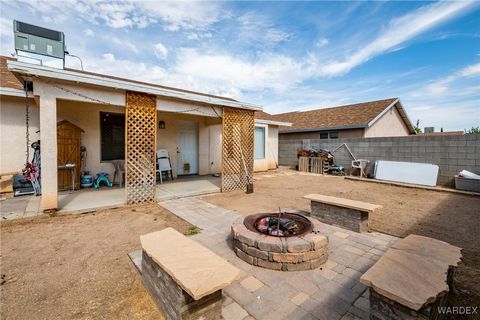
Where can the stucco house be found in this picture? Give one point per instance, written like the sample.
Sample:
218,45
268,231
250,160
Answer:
266,141
203,134
382,118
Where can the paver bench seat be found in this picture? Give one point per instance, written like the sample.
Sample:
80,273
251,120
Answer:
184,278
346,213
410,280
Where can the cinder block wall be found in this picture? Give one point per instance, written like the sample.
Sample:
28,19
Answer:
451,153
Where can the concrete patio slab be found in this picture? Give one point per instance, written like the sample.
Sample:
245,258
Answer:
187,187
88,200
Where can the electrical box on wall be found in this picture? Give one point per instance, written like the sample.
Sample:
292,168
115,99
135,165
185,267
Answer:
38,40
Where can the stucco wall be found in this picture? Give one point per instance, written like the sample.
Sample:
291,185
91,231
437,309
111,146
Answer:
390,124
262,164
209,132
87,116
12,130
271,149
12,135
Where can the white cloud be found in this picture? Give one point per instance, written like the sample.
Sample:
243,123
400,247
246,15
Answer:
254,26
177,15
399,31
125,44
6,35
6,26
443,86
88,32
110,65
224,72
198,35
322,42
470,71
160,51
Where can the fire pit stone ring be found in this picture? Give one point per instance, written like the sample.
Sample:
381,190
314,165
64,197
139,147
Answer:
306,251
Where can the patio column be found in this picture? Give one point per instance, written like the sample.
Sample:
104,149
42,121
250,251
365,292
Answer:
238,127
48,151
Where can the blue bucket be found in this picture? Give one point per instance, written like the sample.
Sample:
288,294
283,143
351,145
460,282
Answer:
86,181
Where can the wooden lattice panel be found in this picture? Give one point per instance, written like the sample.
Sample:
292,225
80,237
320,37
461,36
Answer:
141,133
237,148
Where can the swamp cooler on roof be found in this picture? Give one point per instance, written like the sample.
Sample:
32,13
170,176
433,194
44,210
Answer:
37,40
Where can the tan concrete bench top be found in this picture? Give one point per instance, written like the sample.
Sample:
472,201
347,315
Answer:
196,269
342,202
413,272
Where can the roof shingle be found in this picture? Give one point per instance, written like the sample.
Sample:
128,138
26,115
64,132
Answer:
8,79
352,115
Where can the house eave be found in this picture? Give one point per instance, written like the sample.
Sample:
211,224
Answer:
12,92
273,123
77,77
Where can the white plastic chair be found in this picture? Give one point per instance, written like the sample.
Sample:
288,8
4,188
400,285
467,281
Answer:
119,166
362,165
163,164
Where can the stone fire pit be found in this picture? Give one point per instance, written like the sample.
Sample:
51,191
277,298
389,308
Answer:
287,242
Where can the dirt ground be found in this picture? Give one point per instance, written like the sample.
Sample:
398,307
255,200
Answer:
76,266
446,216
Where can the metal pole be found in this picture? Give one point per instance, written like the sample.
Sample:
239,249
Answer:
72,55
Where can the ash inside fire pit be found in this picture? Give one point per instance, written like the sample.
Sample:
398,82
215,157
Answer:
279,225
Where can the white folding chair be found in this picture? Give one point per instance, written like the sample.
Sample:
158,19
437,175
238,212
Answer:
362,165
119,166
163,164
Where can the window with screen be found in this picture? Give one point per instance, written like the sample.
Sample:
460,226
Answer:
112,126
323,135
334,135
259,143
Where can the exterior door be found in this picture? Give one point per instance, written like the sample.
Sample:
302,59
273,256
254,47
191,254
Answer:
187,147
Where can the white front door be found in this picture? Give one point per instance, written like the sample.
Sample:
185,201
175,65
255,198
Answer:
187,147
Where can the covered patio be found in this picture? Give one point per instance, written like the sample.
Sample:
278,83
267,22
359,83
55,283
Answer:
204,135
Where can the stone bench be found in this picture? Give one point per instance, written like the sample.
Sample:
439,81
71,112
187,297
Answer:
184,278
345,213
410,280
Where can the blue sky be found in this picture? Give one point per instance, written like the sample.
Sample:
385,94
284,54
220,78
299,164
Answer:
284,56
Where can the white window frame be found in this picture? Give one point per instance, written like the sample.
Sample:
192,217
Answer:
264,128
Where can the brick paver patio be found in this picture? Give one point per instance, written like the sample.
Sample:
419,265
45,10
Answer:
328,293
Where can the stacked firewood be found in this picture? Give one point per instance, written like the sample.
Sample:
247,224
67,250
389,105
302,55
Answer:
316,153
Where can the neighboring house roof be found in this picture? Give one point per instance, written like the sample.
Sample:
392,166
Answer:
79,76
352,116
7,78
266,118
446,133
